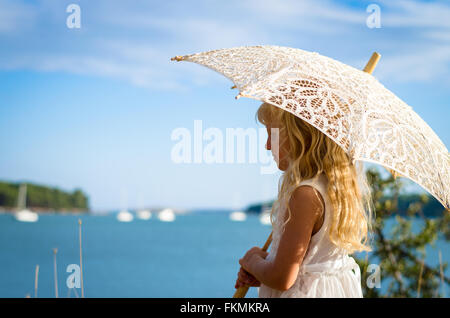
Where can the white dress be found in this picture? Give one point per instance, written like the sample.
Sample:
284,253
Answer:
326,270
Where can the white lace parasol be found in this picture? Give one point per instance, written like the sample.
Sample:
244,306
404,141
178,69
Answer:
348,105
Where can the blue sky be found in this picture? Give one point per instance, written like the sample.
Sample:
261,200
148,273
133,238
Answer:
95,107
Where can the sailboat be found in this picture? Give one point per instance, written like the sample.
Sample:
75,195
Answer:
238,216
144,214
125,216
264,217
22,214
166,215
141,212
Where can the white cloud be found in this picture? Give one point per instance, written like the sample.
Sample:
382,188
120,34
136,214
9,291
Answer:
135,42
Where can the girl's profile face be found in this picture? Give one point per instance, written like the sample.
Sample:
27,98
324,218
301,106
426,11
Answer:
278,144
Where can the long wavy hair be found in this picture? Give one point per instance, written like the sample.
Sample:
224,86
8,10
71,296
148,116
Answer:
311,152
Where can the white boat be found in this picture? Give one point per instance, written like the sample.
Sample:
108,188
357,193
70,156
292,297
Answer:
125,216
24,215
144,214
264,217
238,216
166,215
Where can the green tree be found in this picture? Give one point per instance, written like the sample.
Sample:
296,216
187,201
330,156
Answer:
43,197
8,194
401,253
79,200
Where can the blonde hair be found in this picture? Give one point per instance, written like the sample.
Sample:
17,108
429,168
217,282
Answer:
312,152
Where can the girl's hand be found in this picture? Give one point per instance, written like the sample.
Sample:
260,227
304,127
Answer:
246,279
252,256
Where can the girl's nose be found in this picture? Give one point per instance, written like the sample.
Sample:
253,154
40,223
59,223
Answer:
268,145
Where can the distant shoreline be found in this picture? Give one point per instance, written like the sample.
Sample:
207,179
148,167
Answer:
41,198
44,210
431,207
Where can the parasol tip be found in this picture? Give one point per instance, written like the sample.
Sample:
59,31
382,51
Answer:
370,66
177,58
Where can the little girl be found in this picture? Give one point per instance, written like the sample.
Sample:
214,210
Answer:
321,215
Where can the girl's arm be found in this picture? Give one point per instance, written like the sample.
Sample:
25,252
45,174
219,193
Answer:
281,272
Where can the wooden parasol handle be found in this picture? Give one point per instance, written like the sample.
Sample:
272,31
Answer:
242,291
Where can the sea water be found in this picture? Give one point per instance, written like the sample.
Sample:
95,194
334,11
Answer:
196,255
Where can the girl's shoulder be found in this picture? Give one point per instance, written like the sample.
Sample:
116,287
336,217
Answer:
319,182
319,186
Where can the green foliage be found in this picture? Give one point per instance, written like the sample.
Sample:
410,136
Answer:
258,207
401,253
8,194
43,197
